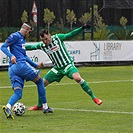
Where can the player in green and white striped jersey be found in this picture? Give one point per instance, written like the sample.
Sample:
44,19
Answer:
55,48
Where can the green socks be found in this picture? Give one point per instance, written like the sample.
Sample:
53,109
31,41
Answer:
39,102
84,86
87,89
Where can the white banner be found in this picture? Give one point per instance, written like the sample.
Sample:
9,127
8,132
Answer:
93,51
86,51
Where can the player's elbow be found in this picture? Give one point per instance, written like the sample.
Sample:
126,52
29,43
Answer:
4,46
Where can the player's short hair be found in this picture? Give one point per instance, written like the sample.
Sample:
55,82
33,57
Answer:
27,26
42,32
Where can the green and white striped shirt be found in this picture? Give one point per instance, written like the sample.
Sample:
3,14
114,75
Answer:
57,51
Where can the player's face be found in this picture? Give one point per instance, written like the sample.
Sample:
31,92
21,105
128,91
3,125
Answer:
28,33
47,39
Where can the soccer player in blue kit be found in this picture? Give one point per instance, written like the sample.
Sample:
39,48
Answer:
22,68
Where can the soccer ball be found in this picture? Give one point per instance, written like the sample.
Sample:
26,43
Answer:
19,109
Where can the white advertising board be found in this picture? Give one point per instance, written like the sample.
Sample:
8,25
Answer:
85,51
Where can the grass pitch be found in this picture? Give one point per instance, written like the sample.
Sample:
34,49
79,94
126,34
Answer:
74,110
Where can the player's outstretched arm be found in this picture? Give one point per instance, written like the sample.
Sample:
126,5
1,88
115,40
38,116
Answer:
73,32
33,46
40,65
31,62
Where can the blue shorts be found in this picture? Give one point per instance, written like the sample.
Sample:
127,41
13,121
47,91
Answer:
20,72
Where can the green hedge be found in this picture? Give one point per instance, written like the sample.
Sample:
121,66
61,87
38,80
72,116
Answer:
6,31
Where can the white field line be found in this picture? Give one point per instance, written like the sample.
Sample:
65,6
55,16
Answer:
84,110
95,111
95,82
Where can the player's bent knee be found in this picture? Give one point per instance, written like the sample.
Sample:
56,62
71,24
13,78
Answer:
77,79
18,87
17,82
39,81
45,82
81,81
36,79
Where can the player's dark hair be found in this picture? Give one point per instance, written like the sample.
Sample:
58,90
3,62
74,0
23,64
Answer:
42,32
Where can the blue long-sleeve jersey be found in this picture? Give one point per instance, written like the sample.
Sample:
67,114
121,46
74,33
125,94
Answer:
16,44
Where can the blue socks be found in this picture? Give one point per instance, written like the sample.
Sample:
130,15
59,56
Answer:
18,93
41,90
15,97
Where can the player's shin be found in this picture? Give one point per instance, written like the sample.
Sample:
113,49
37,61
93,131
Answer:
42,92
15,97
86,88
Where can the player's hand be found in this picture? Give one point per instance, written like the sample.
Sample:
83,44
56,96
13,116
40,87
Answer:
40,65
13,59
87,26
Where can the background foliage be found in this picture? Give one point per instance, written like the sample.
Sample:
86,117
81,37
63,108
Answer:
15,12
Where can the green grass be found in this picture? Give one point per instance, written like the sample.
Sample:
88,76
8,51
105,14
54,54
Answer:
75,112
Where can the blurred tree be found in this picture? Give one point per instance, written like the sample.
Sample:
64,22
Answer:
85,18
48,17
123,21
24,17
101,31
71,17
123,33
61,12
